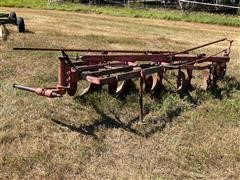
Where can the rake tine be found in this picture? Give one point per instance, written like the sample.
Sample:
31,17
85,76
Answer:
91,88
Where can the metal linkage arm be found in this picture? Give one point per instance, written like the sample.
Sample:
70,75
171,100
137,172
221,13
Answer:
48,92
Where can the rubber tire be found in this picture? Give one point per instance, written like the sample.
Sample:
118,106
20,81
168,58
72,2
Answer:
13,16
20,25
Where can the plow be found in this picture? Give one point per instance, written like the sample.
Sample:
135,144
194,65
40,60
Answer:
117,69
12,19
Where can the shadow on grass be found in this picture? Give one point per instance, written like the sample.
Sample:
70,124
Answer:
161,123
27,31
230,84
105,121
149,128
115,122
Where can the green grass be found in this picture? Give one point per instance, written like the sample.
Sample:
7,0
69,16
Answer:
98,136
174,15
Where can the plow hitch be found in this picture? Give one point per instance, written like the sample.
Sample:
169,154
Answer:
47,92
117,69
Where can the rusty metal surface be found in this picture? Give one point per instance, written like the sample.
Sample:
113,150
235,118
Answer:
118,68
113,66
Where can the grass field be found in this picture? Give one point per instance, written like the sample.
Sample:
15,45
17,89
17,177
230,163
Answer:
98,137
174,15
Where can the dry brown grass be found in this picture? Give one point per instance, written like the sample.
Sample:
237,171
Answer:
66,138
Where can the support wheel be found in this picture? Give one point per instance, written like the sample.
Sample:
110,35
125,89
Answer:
20,25
12,16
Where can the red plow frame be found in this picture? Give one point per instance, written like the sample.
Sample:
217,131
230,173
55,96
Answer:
117,68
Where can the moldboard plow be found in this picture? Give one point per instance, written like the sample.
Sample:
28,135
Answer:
118,68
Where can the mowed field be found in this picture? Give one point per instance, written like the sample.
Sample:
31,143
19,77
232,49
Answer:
98,136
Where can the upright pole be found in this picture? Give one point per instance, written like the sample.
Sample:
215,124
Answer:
141,99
